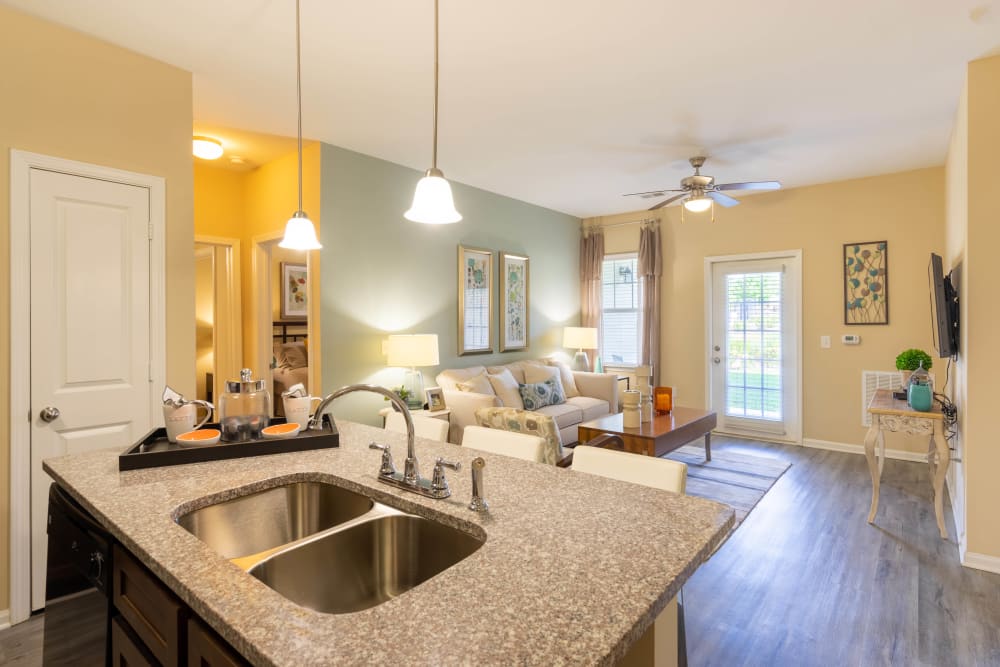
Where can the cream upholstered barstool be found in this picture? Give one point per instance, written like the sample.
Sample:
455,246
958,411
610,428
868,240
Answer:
668,648
508,443
423,427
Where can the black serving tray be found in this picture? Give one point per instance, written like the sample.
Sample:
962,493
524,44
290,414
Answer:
155,450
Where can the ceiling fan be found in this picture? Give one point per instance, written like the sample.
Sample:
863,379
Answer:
700,191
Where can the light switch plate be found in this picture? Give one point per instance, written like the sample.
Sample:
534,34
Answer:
824,341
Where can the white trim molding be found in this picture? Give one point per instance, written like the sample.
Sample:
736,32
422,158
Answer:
4,619
981,562
21,164
898,454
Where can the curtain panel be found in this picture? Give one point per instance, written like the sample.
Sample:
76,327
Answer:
650,272
591,262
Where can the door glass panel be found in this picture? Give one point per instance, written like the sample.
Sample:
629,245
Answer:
753,345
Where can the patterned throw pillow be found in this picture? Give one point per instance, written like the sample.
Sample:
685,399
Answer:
540,394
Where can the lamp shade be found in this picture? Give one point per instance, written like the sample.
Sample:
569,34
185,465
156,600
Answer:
413,350
432,201
300,234
582,338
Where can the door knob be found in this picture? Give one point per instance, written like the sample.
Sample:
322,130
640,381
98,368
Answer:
49,414
717,360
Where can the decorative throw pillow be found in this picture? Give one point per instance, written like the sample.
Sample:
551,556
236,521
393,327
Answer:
506,387
540,394
290,355
478,384
566,374
536,373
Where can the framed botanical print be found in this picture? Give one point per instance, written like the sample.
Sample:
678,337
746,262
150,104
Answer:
475,300
514,287
866,283
294,288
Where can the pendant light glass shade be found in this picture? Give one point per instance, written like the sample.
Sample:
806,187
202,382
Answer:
300,234
698,204
432,201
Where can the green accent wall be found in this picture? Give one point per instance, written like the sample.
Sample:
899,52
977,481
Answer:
383,274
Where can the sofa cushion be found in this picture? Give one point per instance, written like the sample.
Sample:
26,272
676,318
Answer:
447,379
539,394
566,375
506,387
516,369
477,384
538,373
592,408
564,414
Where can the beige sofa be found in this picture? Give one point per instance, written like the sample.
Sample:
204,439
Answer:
597,393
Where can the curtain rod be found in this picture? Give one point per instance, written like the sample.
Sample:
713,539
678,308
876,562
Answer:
622,224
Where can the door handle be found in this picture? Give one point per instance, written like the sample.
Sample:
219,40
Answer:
49,414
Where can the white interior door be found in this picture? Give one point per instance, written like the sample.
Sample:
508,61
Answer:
91,367
754,347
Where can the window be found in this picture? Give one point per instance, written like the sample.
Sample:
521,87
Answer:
620,299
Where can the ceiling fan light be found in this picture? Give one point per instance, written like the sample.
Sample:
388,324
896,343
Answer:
206,148
433,203
300,234
698,204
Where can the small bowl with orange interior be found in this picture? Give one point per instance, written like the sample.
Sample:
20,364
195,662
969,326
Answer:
199,438
289,430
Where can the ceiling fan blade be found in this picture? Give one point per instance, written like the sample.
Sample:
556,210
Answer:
720,198
756,185
651,193
667,201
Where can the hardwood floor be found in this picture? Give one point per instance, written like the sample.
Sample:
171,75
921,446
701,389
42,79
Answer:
806,581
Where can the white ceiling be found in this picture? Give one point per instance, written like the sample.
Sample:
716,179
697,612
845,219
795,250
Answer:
568,104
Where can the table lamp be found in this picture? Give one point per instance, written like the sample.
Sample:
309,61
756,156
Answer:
412,351
582,338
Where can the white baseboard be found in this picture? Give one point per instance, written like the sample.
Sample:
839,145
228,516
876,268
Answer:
4,619
899,454
981,562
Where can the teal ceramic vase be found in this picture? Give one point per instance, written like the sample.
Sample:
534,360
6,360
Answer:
920,392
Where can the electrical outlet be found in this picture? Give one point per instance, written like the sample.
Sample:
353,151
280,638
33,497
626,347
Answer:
824,342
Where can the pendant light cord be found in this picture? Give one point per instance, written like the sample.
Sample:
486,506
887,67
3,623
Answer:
434,155
298,92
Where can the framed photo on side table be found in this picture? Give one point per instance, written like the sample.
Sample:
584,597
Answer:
294,288
435,399
475,300
514,285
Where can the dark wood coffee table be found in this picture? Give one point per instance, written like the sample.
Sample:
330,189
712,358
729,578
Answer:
662,435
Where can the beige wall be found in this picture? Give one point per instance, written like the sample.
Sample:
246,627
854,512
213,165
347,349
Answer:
905,209
71,96
980,274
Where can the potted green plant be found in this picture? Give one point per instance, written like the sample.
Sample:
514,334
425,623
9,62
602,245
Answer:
908,361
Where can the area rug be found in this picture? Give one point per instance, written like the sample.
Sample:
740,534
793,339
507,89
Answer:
737,480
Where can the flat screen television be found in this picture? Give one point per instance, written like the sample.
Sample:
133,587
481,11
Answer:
944,308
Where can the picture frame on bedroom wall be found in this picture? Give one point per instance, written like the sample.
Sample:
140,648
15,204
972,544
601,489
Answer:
294,291
514,306
475,301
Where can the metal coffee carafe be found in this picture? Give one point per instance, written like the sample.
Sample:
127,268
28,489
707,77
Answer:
244,409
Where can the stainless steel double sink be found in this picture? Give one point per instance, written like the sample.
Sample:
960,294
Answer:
327,548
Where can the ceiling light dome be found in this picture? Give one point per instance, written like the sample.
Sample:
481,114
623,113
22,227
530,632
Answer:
206,148
698,204
432,201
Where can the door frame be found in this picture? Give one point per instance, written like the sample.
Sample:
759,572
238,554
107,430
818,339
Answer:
795,257
227,340
21,164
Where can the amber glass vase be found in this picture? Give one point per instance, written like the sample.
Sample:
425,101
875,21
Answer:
663,400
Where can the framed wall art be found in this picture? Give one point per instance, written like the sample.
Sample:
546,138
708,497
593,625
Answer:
866,283
294,288
514,285
475,300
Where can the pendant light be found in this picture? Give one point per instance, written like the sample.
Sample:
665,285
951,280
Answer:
432,200
300,234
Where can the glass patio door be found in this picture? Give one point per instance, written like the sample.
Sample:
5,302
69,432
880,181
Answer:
753,352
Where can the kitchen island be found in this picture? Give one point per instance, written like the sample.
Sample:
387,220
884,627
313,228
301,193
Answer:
574,569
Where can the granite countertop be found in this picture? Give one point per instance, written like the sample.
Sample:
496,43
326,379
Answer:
574,569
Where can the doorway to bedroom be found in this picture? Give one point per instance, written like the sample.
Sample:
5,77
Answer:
753,314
